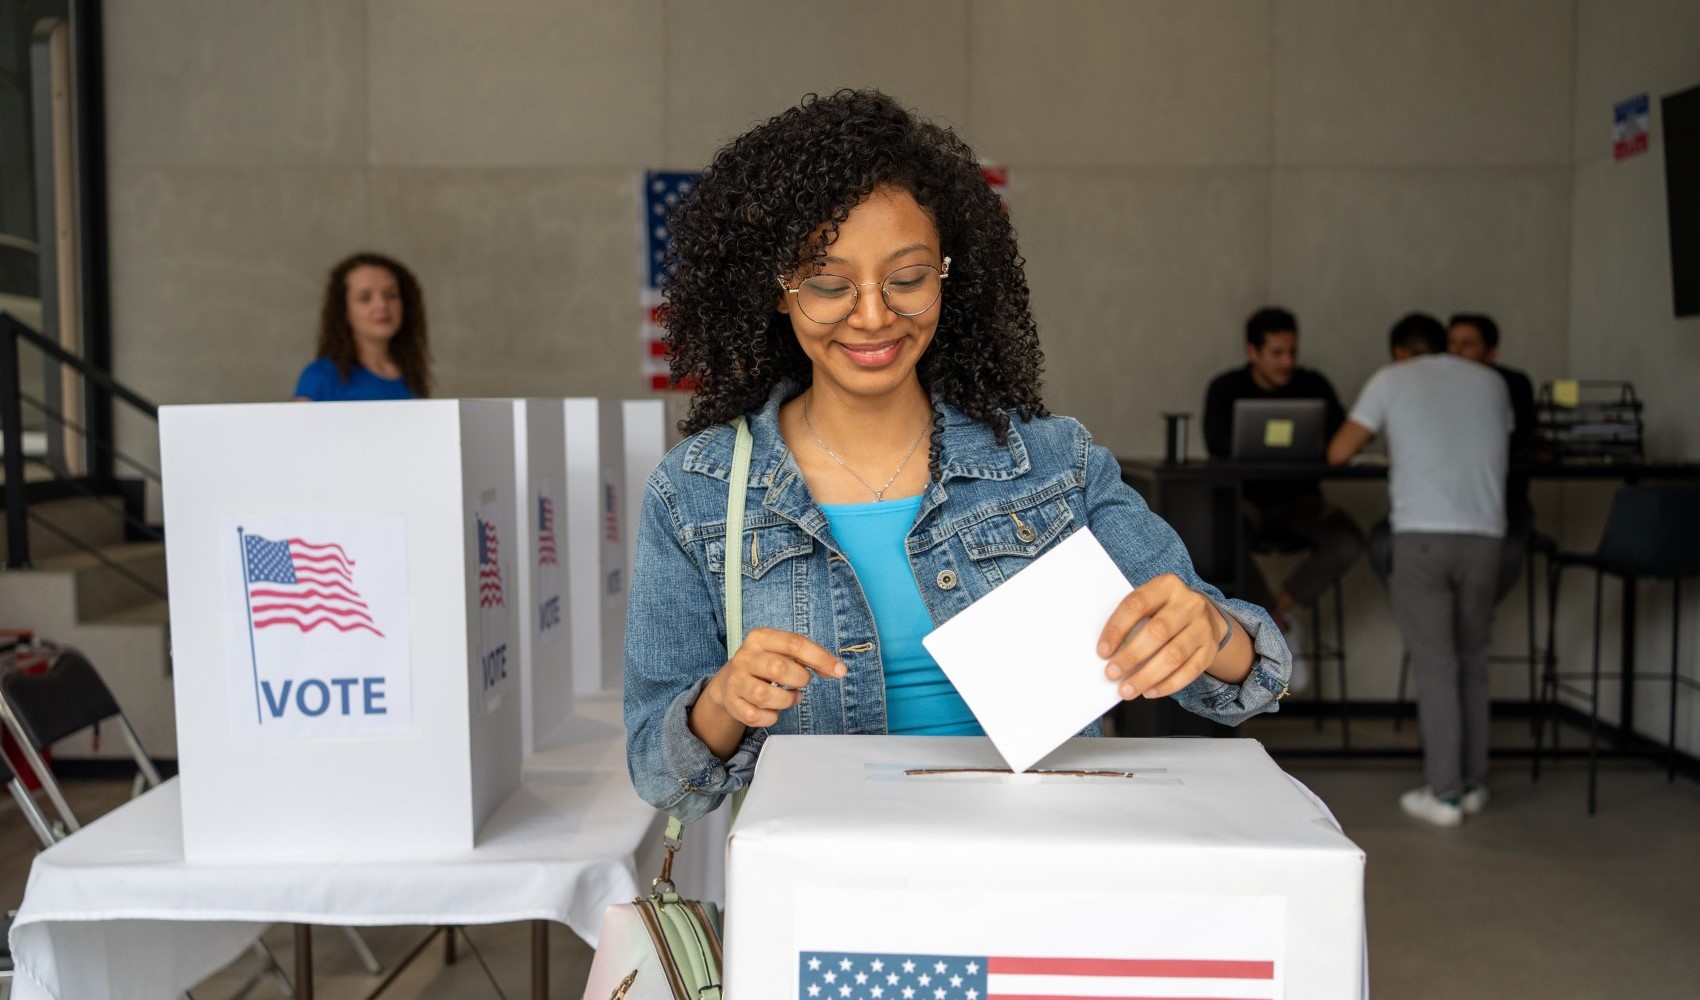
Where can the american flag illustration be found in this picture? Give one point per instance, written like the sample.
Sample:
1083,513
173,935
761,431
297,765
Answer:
827,975
489,568
545,532
303,585
610,513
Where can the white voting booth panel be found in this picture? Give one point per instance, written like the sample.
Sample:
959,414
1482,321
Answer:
541,626
645,425
1204,872
341,582
596,522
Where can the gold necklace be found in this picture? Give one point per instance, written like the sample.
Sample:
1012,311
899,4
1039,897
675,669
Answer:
879,494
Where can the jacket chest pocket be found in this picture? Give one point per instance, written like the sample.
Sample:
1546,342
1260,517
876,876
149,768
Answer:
769,557
1005,543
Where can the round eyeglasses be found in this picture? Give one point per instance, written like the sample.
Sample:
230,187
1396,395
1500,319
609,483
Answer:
907,291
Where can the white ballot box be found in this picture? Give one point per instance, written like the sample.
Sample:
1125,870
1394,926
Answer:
644,422
540,627
596,553
1125,868
341,581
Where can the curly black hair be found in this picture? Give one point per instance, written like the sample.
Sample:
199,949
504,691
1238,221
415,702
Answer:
752,218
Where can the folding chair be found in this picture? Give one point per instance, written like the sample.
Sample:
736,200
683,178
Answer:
42,709
26,804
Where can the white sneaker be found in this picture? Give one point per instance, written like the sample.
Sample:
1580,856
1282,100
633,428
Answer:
1423,804
1474,799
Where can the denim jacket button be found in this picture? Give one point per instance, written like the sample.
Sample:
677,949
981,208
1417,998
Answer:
946,579
1026,534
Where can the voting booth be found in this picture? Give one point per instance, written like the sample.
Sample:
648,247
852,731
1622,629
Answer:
644,423
342,590
540,628
596,521
1120,867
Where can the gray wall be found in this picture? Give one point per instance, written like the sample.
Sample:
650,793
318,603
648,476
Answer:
1174,164
1621,318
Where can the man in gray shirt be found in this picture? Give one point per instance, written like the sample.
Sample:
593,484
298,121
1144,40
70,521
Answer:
1447,422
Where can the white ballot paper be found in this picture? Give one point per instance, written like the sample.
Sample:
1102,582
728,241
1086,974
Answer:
1025,657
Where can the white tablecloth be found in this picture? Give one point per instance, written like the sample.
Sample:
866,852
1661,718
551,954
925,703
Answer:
114,911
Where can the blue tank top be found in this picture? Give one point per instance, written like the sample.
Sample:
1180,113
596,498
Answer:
919,699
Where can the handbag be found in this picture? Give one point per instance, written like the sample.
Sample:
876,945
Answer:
658,947
662,947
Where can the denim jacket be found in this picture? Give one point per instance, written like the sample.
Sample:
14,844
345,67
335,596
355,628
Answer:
995,508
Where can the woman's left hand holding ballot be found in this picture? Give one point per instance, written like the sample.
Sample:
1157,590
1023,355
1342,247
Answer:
1164,634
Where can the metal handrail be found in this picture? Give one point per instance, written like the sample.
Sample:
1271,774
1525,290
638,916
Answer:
13,333
81,366
147,471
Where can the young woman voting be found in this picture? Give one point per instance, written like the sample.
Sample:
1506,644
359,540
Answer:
844,281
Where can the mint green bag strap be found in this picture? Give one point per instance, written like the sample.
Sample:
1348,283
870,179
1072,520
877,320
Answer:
734,582
734,577
734,561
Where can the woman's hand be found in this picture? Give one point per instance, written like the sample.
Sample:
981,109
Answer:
765,677
1178,641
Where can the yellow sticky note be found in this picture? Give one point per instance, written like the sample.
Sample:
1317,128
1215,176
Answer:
1566,392
1277,433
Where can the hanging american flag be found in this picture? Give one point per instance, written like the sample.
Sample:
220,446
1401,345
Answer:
489,568
546,555
892,976
661,192
303,585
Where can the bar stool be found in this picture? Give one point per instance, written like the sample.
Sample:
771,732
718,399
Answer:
1652,532
1319,653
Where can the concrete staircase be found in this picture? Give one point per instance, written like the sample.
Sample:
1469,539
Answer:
104,608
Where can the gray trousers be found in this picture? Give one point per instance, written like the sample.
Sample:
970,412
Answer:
1443,595
1519,526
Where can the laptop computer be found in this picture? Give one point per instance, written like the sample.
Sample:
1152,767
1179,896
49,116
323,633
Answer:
1293,430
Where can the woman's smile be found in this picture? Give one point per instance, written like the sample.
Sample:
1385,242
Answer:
873,355
871,352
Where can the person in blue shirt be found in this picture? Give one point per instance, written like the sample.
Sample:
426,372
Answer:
844,279
372,335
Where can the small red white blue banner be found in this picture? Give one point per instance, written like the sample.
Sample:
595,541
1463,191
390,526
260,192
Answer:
1629,126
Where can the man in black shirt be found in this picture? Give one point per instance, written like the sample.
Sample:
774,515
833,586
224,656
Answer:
1282,511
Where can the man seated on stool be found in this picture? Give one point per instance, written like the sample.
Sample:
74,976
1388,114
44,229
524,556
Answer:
1287,509
1448,424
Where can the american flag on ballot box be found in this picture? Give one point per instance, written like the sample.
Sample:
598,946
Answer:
303,585
824,975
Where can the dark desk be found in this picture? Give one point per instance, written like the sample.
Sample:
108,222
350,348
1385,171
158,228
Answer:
1201,500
